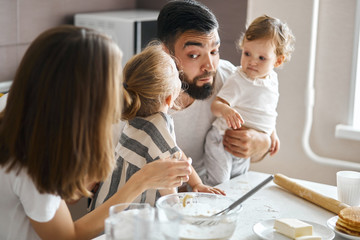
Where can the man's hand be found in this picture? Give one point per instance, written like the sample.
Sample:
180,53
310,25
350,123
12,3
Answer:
247,142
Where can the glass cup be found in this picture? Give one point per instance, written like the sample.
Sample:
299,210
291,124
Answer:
123,220
140,221
164,226
348,187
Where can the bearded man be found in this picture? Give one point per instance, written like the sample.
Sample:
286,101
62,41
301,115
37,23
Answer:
189,31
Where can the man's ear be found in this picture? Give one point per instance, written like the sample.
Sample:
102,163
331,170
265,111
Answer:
168,101
280,60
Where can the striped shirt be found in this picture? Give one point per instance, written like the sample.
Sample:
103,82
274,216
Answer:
142,141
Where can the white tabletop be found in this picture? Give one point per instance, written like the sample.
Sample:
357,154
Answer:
272,202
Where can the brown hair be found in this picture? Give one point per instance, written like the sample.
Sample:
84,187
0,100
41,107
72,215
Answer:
148,80
265,27
60,109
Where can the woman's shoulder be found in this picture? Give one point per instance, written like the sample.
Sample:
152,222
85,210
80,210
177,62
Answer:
38,206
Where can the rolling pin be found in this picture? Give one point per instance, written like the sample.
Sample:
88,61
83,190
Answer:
328,203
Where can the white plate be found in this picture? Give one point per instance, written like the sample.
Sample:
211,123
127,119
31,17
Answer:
265,230
332,223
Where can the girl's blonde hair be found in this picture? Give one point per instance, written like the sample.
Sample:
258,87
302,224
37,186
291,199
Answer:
265,27
57,123
148,81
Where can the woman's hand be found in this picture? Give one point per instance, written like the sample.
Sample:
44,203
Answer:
165,173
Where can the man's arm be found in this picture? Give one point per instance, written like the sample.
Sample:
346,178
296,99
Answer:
245,142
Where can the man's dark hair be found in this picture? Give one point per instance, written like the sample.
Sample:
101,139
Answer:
177,17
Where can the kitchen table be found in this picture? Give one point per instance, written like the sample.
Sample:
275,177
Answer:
272,202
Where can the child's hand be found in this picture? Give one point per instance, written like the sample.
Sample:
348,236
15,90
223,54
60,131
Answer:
232,117
275,144
207,189
221,108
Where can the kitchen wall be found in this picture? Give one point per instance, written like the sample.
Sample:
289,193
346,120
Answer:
21,21
332,87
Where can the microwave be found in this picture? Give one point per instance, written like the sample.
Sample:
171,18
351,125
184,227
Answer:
132,30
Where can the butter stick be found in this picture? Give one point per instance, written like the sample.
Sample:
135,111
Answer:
293,228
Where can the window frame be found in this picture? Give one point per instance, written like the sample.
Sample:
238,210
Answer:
351,130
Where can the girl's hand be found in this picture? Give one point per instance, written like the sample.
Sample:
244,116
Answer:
207,189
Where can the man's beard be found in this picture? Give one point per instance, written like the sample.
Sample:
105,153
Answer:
197,92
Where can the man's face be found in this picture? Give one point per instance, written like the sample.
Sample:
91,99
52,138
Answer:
198,59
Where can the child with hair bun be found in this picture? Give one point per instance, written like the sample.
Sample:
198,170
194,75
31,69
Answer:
151,85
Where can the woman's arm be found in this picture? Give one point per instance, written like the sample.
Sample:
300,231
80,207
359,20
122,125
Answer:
158,174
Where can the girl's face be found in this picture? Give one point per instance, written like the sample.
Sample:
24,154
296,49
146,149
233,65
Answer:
258,58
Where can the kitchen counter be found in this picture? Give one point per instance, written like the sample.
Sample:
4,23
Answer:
272,202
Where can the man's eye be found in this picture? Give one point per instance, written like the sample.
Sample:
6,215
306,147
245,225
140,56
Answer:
193,56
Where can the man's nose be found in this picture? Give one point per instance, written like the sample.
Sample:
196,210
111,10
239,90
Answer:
208,64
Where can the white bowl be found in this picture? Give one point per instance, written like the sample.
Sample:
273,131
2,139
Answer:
196,210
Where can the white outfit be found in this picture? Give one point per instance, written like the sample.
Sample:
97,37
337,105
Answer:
193,122
256,101
20,201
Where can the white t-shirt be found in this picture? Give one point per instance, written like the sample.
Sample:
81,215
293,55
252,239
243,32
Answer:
19,201
193,122
256,100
